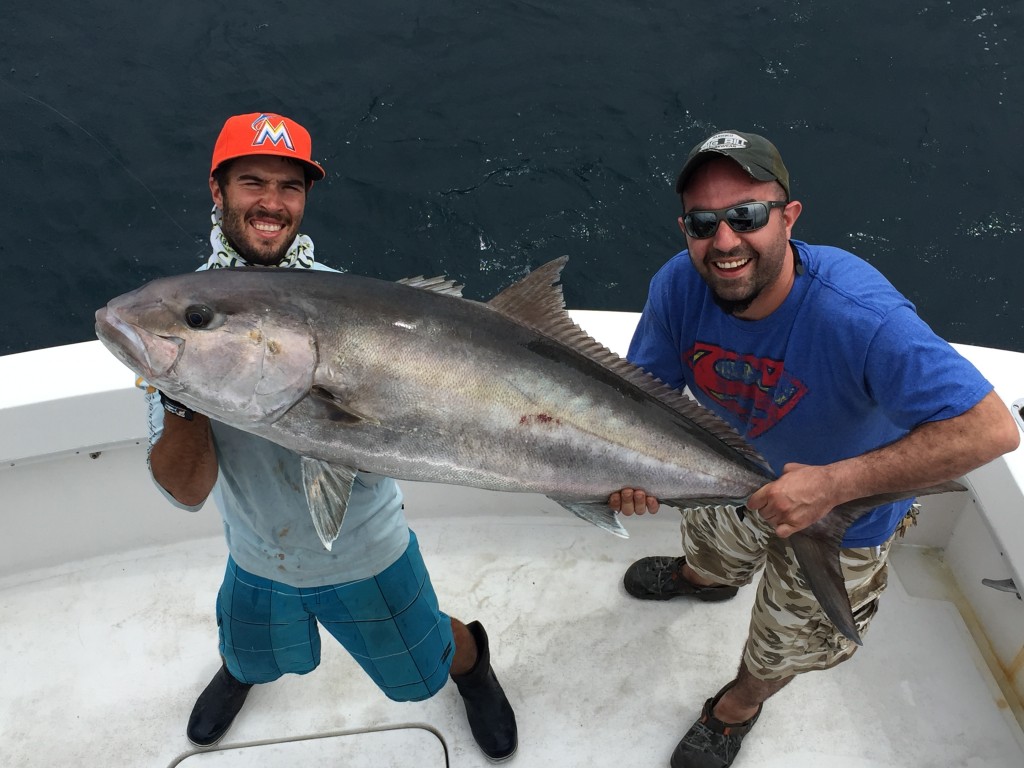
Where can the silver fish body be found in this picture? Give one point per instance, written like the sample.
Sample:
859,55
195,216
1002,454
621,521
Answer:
418,384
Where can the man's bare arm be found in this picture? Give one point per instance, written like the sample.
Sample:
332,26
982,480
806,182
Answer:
183,460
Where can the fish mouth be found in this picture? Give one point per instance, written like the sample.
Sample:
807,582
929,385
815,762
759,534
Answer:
147,354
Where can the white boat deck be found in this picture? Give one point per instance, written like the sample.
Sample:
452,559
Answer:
107,629
103,658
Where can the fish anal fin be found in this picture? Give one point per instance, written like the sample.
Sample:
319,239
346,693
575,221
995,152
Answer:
596,513
328,488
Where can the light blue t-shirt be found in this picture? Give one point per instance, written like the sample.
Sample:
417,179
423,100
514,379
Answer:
842,367
267,522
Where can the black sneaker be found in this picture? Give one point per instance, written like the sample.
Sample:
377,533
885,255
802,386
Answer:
710,743
216,708
661,578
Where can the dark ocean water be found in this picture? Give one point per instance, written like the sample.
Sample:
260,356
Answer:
481,139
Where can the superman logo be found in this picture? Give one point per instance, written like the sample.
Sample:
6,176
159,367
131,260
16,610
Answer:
756,389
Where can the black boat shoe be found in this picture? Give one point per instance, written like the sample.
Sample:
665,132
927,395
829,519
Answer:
710,743
661,578
216,708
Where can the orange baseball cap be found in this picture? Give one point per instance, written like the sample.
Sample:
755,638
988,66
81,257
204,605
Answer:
265,133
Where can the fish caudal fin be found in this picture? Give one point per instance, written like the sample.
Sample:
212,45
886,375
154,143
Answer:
817,551
328,487
597,513
870,502
819,561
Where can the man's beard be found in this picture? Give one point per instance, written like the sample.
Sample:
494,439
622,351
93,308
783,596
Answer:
234,228
731,306
766,271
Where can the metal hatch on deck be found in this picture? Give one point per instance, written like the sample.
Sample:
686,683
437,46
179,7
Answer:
408,747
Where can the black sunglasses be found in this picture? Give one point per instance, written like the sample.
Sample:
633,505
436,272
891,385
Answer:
745,217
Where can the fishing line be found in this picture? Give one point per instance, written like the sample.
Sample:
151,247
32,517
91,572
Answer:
114,157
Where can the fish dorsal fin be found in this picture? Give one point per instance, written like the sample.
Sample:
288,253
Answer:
537,302
439,284
537,299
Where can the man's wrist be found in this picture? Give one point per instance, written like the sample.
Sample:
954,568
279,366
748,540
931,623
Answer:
178,409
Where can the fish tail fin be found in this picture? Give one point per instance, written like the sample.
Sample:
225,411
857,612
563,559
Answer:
817,551
858,507
327,488
819,561
597,513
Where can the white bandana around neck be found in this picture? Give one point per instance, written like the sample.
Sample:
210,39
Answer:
300,254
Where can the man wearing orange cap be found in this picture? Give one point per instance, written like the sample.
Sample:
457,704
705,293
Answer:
372,592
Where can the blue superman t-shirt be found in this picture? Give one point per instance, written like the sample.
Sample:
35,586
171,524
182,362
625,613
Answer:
844,366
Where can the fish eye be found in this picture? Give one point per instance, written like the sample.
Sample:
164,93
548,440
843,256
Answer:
198,316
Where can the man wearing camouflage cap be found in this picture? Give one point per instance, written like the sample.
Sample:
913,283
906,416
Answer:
821,365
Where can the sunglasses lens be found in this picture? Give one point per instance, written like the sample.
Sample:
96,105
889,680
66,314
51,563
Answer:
747,218
741,218
701,224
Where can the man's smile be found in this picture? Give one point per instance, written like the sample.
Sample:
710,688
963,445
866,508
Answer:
731,265
267,228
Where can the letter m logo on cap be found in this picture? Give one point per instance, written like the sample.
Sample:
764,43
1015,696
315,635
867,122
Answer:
267,131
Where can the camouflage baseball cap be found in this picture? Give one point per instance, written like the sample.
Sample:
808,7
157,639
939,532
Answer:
755,154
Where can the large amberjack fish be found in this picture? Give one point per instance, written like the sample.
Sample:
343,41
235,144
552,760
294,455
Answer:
412,382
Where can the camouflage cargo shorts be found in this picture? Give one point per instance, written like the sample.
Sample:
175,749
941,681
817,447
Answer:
789,633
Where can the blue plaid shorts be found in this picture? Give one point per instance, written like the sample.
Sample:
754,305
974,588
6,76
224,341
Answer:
390,624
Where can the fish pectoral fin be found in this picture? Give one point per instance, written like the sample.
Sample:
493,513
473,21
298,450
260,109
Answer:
337,410
596,512
328,487
819,560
